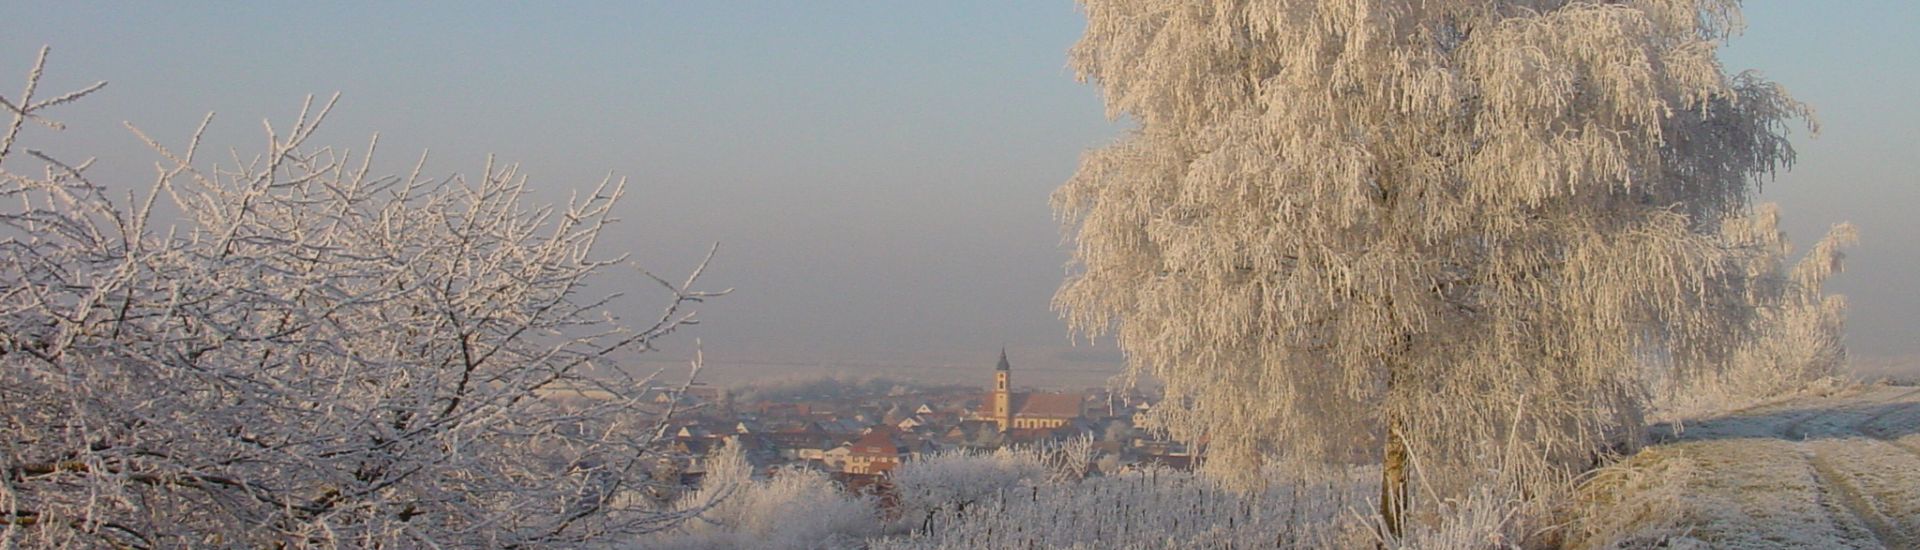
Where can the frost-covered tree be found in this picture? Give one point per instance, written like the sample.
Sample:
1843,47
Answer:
311,355
1449,230
1793,336
792,509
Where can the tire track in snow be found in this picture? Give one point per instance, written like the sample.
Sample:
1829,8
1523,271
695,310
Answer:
1897,499
1811,472
1857,503
1904,510
1870,510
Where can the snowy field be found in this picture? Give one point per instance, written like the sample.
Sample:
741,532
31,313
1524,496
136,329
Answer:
1902,369
1833,471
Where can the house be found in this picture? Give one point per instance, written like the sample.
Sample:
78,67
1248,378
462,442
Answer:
837,457
908,424
692,431
802,441
878,452
1142,417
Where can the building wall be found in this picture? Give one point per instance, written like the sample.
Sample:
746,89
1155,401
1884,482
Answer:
861,464
1002,400
1032,423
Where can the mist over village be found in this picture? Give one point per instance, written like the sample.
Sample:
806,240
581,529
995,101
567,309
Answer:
1130,274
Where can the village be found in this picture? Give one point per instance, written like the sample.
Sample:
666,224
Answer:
859,437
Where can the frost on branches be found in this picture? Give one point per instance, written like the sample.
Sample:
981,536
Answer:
311,356
1793,339
1449,233
793,509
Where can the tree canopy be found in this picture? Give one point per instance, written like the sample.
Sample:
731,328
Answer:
312,355
1470,224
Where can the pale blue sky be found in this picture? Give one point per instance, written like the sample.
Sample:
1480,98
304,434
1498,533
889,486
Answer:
877,172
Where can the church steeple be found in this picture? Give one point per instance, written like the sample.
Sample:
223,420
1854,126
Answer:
1003,392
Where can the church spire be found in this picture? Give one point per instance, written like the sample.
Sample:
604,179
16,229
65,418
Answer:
1002,392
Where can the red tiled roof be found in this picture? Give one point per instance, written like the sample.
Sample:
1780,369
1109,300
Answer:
1046,405
1036,405
876,443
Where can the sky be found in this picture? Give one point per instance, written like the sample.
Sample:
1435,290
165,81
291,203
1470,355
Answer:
876,174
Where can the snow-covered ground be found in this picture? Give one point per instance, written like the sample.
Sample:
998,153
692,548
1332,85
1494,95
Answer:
1833,471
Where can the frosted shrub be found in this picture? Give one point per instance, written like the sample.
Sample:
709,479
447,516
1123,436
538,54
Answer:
311,354
952,481
794,509
1021,497
1150,508
1636,503
1486,518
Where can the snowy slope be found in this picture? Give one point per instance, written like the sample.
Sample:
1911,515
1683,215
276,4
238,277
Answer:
1839,471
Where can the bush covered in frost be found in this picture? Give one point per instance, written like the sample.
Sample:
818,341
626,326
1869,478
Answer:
793,509
1035,497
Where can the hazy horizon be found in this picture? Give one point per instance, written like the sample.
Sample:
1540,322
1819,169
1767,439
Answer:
877,175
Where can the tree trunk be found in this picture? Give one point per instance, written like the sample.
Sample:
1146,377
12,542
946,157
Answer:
1393,478
1393,460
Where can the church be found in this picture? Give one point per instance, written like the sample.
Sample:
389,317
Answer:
1011,410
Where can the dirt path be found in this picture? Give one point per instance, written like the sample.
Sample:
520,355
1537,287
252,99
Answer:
1841,471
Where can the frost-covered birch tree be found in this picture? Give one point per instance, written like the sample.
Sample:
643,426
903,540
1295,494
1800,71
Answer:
311,355
1450,231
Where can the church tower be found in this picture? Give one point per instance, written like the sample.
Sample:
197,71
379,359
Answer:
1003,393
